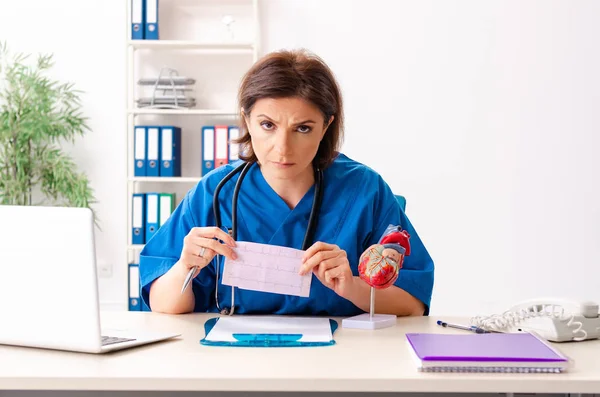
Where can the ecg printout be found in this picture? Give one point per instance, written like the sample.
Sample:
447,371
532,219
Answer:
267,268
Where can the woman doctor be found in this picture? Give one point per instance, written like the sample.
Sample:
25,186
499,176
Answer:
292,126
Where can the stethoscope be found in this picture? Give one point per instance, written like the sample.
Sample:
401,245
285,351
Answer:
308,237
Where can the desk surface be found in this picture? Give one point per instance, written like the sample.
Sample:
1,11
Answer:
361,360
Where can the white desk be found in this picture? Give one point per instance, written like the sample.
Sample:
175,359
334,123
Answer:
360,361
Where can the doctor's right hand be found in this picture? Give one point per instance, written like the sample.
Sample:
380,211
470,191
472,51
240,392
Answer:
202,244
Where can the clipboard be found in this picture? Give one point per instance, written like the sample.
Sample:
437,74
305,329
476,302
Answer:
265,340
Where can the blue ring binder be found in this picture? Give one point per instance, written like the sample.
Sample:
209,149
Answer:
265,340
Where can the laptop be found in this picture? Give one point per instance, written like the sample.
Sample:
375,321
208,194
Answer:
49,286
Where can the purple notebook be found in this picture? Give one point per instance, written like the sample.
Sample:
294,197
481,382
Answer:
521,347
494,351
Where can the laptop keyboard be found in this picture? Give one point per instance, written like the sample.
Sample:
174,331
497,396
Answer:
110,340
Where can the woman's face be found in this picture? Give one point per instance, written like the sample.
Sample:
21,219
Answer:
285,134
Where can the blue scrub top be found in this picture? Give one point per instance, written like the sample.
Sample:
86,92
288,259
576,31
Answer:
357,207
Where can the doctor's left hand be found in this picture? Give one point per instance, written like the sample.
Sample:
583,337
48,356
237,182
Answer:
330,264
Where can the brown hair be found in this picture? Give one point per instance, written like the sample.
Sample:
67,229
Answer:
295,73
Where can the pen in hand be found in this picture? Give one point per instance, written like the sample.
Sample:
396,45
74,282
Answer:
201,246
188,278
470,328
191,272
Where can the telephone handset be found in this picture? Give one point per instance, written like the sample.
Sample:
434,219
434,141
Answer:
555,320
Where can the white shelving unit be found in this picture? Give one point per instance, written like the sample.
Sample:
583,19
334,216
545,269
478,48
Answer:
159,179
216,48
189,112
214,52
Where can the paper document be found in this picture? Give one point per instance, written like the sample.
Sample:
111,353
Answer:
312,329
267,268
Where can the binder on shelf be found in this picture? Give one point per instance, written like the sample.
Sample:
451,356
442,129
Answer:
208,149
152,214
221,145
134,287
138,14
139,151
138,219
234,133
152,151
170,154
166,207
151,21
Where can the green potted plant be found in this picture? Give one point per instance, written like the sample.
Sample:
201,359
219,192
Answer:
36,115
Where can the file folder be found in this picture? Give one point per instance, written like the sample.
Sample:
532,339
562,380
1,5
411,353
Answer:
265,339
208,149
152,152
170,153
139,151
151,22
137,19
167,205
221,145
234,133
138,221
152,214
134,287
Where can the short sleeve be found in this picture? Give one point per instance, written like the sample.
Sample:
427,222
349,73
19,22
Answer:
417,273
163,250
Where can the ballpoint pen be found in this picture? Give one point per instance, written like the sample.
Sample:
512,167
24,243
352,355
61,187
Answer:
188,278
191,272
470,328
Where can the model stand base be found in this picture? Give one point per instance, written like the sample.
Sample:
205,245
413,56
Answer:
366,321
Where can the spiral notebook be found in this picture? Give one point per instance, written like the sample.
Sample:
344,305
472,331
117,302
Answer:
493,352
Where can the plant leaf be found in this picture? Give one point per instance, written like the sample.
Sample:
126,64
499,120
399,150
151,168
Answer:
37,113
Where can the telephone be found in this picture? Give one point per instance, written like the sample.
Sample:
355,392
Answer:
555,320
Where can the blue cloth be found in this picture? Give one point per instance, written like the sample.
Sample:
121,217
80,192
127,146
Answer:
357,208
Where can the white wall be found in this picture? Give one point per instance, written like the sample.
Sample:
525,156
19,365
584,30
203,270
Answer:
484,114
88,42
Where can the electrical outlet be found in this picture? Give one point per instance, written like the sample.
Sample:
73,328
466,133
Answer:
104,269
